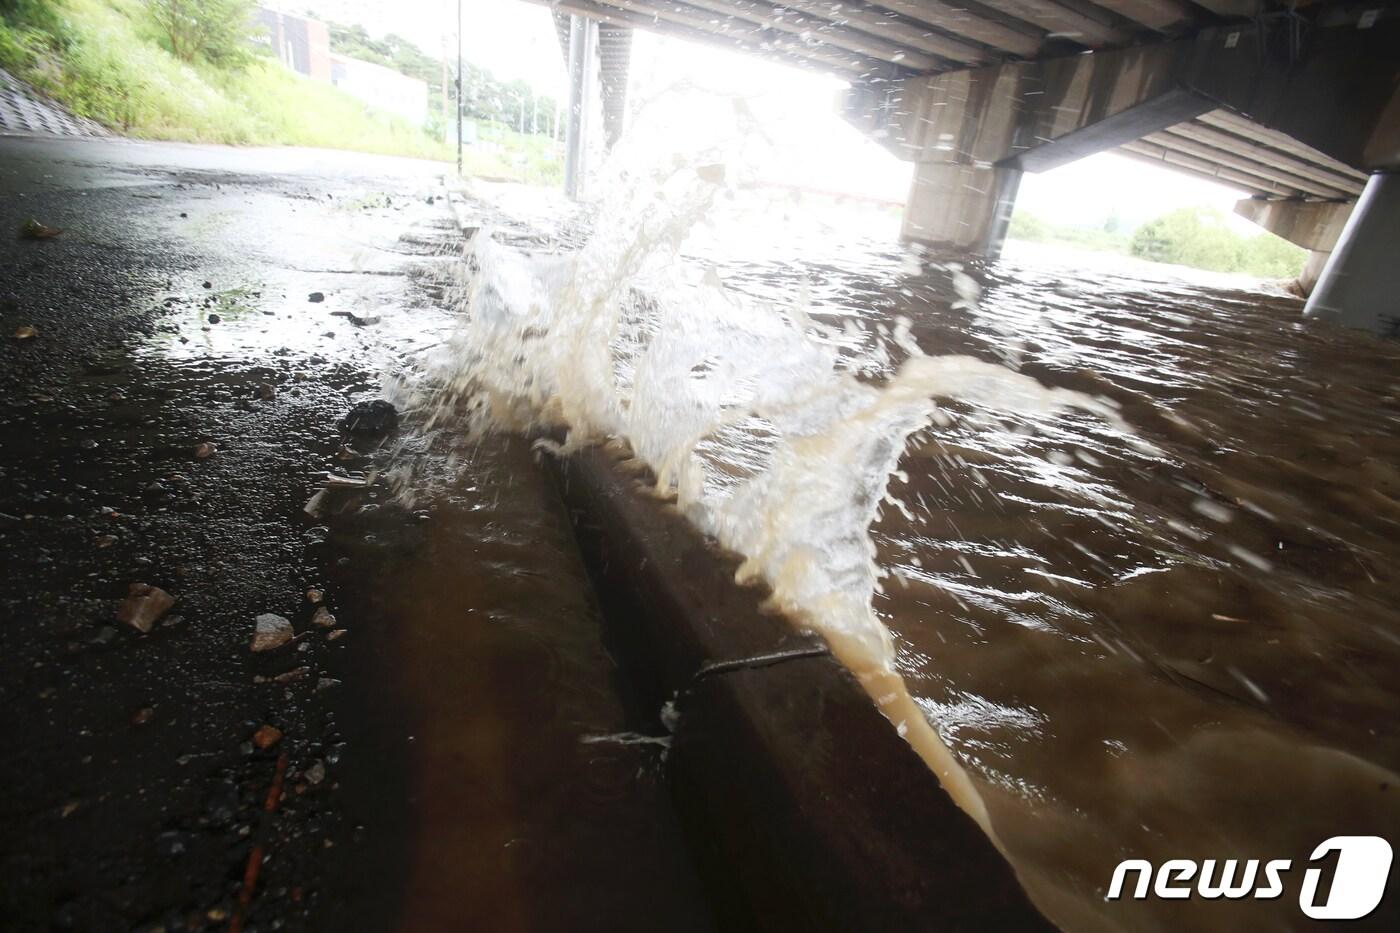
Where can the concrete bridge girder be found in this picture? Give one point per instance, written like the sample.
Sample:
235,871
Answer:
1313,225
1172,101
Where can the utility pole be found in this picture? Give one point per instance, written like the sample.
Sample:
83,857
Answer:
459,88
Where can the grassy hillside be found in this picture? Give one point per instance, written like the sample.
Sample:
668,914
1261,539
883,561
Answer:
105,59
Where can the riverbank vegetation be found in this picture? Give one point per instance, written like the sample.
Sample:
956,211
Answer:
193,71
142,69
1199,237
1190,236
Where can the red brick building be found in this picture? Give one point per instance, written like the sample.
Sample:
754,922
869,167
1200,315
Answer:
302,44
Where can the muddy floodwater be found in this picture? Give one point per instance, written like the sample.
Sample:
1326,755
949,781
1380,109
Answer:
1159,622
1183,648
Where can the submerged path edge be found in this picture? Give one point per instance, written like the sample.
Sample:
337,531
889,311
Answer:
801,800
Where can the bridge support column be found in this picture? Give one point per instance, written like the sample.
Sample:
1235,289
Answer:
1360,284
583,43
960,208
1312,270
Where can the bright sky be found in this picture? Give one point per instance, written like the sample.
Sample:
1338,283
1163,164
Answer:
811,144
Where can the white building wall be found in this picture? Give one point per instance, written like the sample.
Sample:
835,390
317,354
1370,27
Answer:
382,88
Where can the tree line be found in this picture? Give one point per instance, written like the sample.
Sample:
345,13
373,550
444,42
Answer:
484,97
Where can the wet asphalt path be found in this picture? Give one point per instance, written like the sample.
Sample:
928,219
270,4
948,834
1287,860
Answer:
174,310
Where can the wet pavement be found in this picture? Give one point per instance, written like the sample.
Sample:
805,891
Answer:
455,749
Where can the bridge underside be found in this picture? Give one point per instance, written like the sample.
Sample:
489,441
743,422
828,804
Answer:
1293,102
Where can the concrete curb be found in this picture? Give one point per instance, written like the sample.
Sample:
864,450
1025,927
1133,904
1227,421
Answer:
806,808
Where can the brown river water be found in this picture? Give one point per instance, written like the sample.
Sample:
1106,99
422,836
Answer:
1169,632
1190,653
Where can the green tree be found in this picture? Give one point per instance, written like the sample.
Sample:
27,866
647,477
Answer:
1272,257
1028,226
1199,237
1189,236
218,31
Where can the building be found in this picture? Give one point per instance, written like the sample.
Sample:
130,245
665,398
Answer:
303,45
382,88
300,43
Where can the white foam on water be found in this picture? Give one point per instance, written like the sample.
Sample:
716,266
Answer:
623,340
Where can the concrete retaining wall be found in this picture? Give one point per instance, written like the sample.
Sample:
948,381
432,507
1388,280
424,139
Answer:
806,808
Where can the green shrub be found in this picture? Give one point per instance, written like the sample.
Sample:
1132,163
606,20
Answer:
1199,237
217,31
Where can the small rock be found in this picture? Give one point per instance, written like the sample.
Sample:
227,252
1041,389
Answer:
143,606
271,631
356,319
208,284
267,736
26,332
204,450
292,676
316,773
314,596
31,229
335,635
104,540
373,417
313,506
316,297
322,617
214,319
266,392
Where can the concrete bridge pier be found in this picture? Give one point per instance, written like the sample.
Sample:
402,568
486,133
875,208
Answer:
961,208
1295,122
1360,283
598,57
582,54
1314,225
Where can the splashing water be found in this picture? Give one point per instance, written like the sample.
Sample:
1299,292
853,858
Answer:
624,341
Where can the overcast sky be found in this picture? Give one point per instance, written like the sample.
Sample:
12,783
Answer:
811,144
